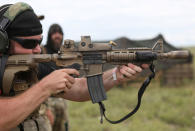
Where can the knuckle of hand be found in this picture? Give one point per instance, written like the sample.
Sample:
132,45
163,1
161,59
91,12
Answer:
140,69
129,75
133,72
122,71
65,75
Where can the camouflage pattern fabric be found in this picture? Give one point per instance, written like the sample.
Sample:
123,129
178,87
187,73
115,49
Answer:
16,9
58,106
30,124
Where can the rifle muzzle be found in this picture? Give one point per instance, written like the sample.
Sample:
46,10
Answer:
175,55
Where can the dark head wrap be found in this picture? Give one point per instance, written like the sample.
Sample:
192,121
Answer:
52,29
25,23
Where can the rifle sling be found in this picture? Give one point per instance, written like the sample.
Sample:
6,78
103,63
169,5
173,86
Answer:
140,94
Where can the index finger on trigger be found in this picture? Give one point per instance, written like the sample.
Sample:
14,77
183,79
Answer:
71,71
70,78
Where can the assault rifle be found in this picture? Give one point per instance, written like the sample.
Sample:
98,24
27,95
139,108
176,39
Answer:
89,57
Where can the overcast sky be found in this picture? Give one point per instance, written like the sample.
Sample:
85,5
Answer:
111,19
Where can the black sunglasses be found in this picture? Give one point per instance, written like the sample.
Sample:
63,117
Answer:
28,43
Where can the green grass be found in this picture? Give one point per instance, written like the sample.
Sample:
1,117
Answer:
162,109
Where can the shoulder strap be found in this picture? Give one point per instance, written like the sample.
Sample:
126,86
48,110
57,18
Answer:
2,66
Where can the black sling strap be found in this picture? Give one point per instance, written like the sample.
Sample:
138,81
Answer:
140,94
2,69
21,127
37,124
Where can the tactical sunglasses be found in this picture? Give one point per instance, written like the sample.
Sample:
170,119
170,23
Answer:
28,43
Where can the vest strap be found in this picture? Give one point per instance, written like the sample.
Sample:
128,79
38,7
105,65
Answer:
3,62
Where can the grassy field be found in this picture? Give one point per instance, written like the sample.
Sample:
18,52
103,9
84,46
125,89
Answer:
162,109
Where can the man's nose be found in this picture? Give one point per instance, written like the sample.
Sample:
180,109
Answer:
37,49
